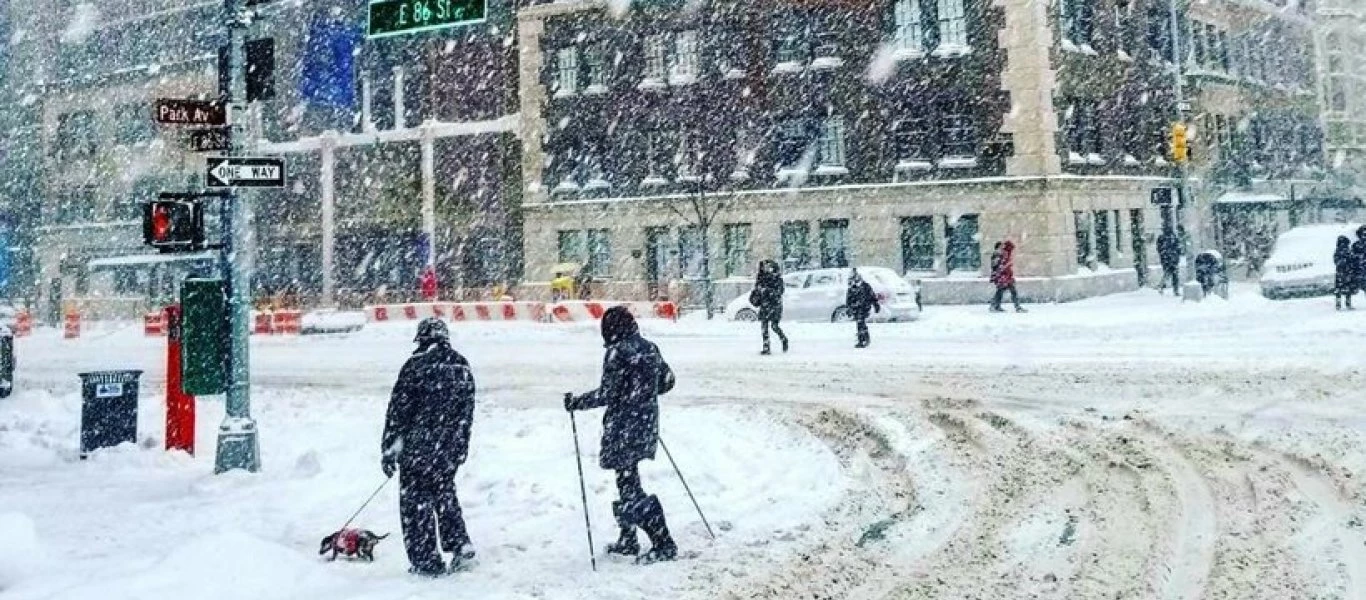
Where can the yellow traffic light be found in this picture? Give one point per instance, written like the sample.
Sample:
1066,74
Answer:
1180,151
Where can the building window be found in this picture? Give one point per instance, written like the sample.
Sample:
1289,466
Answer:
917,244
835,249
1214,47
912,143
737,249
688,158
76,134
567,74
827,46
796,245
1159,32
1101,221
1123,11
832,144
684,68
1077,18
960,135
908,36
593,58
571,246
1082,225
599,253
690,249
1083,133
132,125
964,250
953,27
790,49
656,58
792,143
1197,43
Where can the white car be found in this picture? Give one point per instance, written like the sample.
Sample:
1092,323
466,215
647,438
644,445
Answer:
818,296
1301,263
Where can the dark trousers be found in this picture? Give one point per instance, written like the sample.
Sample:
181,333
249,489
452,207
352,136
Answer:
765,325
430,513
628,485
1000,295
1170,273
863,338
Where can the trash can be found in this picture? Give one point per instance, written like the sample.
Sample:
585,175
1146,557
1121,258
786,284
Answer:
1211,272
109,409
6,361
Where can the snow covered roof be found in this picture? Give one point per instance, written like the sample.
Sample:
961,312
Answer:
1249,198
138,260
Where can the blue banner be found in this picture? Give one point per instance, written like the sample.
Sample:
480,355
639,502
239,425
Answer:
329,63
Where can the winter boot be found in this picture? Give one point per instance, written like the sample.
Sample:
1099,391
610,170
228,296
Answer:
784,340
997,309
662,546
626,544
1020,309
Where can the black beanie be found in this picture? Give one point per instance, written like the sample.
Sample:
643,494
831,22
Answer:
617,324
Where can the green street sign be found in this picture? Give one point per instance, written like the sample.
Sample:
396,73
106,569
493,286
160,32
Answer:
395,17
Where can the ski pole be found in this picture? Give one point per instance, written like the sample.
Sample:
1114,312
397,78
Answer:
685,487
583,493
367,502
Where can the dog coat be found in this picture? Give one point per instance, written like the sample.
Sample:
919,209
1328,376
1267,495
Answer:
349,541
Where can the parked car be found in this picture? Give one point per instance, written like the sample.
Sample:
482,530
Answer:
1301,263
818,296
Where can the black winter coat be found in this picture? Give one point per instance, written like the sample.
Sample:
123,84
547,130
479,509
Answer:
1169,250
861,300
1359,253
634,374
768,296
431,411
1345,271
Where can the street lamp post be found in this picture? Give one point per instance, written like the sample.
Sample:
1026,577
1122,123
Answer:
1186,202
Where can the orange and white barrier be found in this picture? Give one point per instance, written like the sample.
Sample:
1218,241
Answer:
458,311
262,323
154,324
537,312
71,325
287,322
23,324
571,312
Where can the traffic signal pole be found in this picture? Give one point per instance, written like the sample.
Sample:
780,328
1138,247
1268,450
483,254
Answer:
1186,204
238,445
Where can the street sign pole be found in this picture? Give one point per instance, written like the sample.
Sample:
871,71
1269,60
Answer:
238,445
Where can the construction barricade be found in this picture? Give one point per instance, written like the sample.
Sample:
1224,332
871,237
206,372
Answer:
154,324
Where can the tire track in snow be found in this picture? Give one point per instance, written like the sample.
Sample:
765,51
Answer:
1184,570
1338,515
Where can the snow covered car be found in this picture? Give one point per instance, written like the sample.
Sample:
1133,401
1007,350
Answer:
818,296
1301,263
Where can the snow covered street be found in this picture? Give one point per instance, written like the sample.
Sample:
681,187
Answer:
1130,446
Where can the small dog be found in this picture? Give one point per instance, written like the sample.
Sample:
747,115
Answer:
351,543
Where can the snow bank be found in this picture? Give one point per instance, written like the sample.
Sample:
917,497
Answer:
21,554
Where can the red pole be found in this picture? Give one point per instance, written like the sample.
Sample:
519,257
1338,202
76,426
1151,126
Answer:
179,405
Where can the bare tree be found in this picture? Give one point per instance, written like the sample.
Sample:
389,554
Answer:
700,209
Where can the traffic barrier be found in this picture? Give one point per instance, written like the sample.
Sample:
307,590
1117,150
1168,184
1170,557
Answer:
154,324
262,323
287,322
71,325
576,311
458,312
23,324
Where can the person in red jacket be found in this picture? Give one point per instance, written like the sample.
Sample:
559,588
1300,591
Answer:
429,285
1003,275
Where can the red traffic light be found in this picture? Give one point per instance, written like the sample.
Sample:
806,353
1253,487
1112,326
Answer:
173,225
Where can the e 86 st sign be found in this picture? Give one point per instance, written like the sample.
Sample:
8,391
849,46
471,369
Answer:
395,17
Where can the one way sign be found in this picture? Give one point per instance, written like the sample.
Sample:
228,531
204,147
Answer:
239,171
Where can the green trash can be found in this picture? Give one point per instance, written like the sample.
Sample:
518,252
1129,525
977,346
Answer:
109,409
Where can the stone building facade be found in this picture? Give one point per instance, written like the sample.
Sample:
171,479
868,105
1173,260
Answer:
910,134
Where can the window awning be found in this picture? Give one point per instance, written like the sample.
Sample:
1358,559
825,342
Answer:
144,260
1249,198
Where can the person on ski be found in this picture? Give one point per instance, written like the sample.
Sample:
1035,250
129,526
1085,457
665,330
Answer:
861,302
1345,278
767,297
634,374
1003,276
1169,254
426,439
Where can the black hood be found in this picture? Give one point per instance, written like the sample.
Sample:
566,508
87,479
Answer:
617,325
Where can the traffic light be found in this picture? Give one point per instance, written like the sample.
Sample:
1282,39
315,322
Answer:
173,225
1180,150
